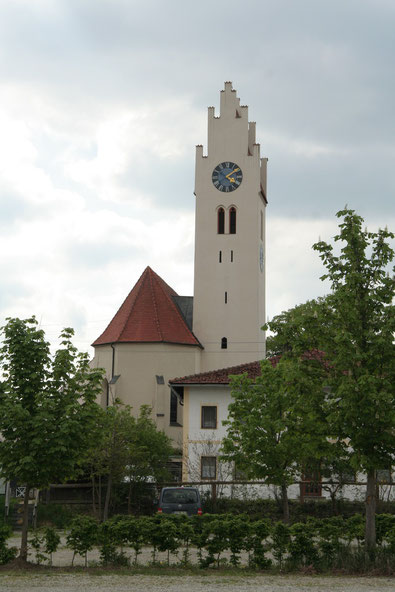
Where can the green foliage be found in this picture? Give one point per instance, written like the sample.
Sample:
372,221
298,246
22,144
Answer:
257,542
302,551
296,331
83,536
36,542
318,544
277,423
360,345
7,554
354,325
47,405
385,524
126,448
47,408
51,542
110,536
281,537
57,515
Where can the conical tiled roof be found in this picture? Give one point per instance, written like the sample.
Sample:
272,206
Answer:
149,314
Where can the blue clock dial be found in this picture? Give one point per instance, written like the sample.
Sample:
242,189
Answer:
227,176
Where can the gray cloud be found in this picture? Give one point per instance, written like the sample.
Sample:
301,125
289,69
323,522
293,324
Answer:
106,100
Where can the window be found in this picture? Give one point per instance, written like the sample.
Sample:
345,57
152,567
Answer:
383,476
312,487
209,417
226,298
224,343
173,408
220,257
347,476
208,467
221,221
232,221
231,256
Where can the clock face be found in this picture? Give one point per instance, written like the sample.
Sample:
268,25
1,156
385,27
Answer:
227,176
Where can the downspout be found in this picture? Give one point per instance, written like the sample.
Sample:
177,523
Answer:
112,373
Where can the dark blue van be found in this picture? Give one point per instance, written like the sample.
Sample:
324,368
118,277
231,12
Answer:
180,500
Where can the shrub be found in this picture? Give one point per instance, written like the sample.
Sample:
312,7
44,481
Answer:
7,554
82,536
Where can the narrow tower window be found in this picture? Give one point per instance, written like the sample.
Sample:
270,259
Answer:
232,221
231,256
226,298
224,343
221,221
220,257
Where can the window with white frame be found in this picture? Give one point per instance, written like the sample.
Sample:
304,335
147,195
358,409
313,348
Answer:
208,467
209,417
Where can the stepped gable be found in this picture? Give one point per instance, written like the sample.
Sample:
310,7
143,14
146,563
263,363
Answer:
253,370
148,315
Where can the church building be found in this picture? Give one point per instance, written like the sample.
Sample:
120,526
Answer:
158,335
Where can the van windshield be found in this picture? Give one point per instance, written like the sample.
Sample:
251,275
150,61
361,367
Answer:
180,496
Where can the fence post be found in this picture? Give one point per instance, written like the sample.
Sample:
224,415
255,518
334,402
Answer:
214,494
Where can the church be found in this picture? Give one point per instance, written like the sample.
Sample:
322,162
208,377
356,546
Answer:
158,335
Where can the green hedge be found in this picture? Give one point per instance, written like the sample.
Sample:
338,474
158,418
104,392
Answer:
318,544
299,512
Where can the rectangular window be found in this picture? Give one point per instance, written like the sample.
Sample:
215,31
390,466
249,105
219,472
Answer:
209,417
384,476
226,298
220,257
231,256
173,408
312,487
208,467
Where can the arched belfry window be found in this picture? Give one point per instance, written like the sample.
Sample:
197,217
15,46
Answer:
221,221
232,221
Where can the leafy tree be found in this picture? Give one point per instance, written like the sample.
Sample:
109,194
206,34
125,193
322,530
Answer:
361,350
277,423
127,448
298,330
354,325
47,409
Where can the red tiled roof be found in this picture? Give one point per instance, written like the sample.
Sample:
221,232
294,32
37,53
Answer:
221,376
149,314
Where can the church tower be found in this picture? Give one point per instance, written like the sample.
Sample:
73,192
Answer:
229,282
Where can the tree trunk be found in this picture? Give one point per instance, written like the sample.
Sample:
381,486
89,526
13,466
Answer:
25,525
370,505
130,498
108,495
100,497
94,509
284,497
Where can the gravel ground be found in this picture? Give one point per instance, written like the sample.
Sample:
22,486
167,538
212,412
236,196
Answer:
212,582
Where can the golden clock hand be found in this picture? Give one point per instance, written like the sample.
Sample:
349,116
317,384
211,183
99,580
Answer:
231,173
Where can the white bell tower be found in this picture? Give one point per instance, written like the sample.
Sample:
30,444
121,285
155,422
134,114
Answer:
229,283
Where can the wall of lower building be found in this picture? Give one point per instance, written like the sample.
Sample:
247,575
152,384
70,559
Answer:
144,370
199,442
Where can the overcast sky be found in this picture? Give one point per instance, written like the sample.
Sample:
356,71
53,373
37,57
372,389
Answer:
103,101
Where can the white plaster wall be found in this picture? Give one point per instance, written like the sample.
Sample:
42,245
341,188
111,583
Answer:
207,442
230,138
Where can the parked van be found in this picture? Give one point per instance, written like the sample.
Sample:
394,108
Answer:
180,500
